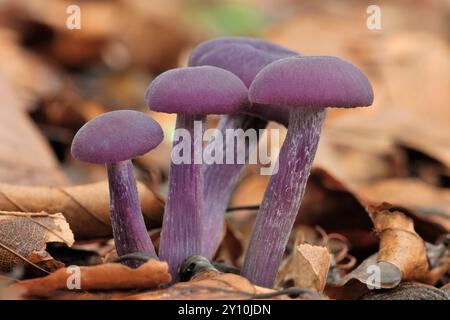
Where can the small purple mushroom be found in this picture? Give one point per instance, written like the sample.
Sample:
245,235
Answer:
307,85
191,93
244,57
114,138
206,46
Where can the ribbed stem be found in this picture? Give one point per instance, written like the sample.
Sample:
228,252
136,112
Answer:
130,233
181,231
220,179
283,196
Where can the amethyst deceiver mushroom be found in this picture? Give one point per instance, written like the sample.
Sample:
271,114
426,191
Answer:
307,85
206,46
114,138
191,93
244,57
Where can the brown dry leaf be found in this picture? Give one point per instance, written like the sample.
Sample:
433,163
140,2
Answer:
429,202
85,207
307,267
401,257
368,271
109,276
24,236
400,245
338,208
209,285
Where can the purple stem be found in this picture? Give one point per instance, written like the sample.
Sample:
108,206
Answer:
130,233
283,197
181,231
220,180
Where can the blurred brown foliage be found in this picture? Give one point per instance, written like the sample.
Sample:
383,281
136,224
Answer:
393,157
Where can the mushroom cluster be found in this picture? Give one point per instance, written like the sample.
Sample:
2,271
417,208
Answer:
249,82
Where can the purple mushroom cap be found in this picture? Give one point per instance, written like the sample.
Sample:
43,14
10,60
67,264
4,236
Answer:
259,44
197,91
116,136
311,81
243,60
244,57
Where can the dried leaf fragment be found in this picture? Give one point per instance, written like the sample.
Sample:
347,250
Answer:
401,256
400,245
429,203
23,238
109,276
374,274
306,267
210,285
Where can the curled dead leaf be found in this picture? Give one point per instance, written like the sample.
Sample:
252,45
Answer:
306,267
374,274
401,257
109,276
400,245
24,236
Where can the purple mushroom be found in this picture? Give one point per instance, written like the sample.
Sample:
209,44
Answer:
191,93
307,85
206,46
244,57
114,138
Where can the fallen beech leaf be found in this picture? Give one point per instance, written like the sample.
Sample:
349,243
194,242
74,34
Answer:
389,275
207,285
429,202
374,274
85,207
401,256
109,276
338,208
306,267
400,245
23,238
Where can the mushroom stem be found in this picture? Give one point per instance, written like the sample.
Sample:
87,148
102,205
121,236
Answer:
283,197
220,180
130,233
181,231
